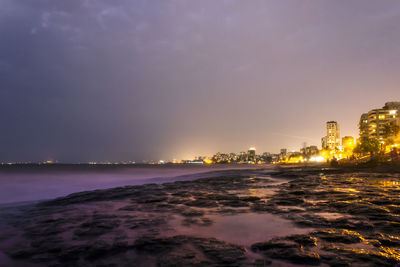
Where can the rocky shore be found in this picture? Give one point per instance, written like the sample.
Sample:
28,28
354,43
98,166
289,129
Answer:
285,217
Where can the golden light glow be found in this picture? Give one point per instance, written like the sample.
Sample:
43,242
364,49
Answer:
297,159
317,159
208,161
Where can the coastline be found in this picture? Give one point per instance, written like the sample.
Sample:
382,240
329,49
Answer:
287,215
19,183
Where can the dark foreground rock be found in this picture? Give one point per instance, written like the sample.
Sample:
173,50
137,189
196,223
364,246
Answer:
352,219
194,251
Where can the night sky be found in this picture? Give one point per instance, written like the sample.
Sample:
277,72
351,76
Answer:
94,80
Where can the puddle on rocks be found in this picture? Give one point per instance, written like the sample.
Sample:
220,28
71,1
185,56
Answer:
330,215
265,189
243,229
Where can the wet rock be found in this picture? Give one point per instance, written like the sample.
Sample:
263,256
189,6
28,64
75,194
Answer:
146,222
229,197
192,213
20,253
334,260
175,200
289,249
220,251
367,219
214,251
90,196
202,203
307,220
182,194
303,240
289,201
264,207
197,221
372,257
273,244
183,257
387,226
234,203
101,249
129,208
366,209
157,245
387,240
96,227
339,236
41,231
262,263
152,199
250,199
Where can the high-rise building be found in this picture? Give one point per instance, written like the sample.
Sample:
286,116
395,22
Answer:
373,123
252,153
332,138
283,153
324,142
363,125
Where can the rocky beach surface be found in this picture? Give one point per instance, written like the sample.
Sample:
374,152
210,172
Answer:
282,217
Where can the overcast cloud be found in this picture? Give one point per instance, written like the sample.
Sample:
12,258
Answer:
84,80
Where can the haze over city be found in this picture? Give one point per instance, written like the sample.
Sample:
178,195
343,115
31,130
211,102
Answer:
135,80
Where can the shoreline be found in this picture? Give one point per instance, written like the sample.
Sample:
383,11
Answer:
288,215
47,182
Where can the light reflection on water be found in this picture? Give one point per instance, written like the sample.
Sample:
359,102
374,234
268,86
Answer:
244,228
260,189
384,183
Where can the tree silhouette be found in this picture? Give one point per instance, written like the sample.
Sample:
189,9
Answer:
367,145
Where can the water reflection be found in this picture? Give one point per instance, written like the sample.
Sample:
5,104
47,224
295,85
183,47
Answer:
384,183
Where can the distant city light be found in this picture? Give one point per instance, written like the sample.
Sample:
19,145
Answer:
317,159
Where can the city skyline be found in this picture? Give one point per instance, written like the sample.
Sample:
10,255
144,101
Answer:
94,81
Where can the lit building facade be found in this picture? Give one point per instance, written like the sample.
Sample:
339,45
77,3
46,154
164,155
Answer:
332,139
310,151
373,123
363,125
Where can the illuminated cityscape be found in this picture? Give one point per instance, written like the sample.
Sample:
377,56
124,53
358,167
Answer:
380,126
184,133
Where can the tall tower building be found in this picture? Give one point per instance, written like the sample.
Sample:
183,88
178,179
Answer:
324,144
332,135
